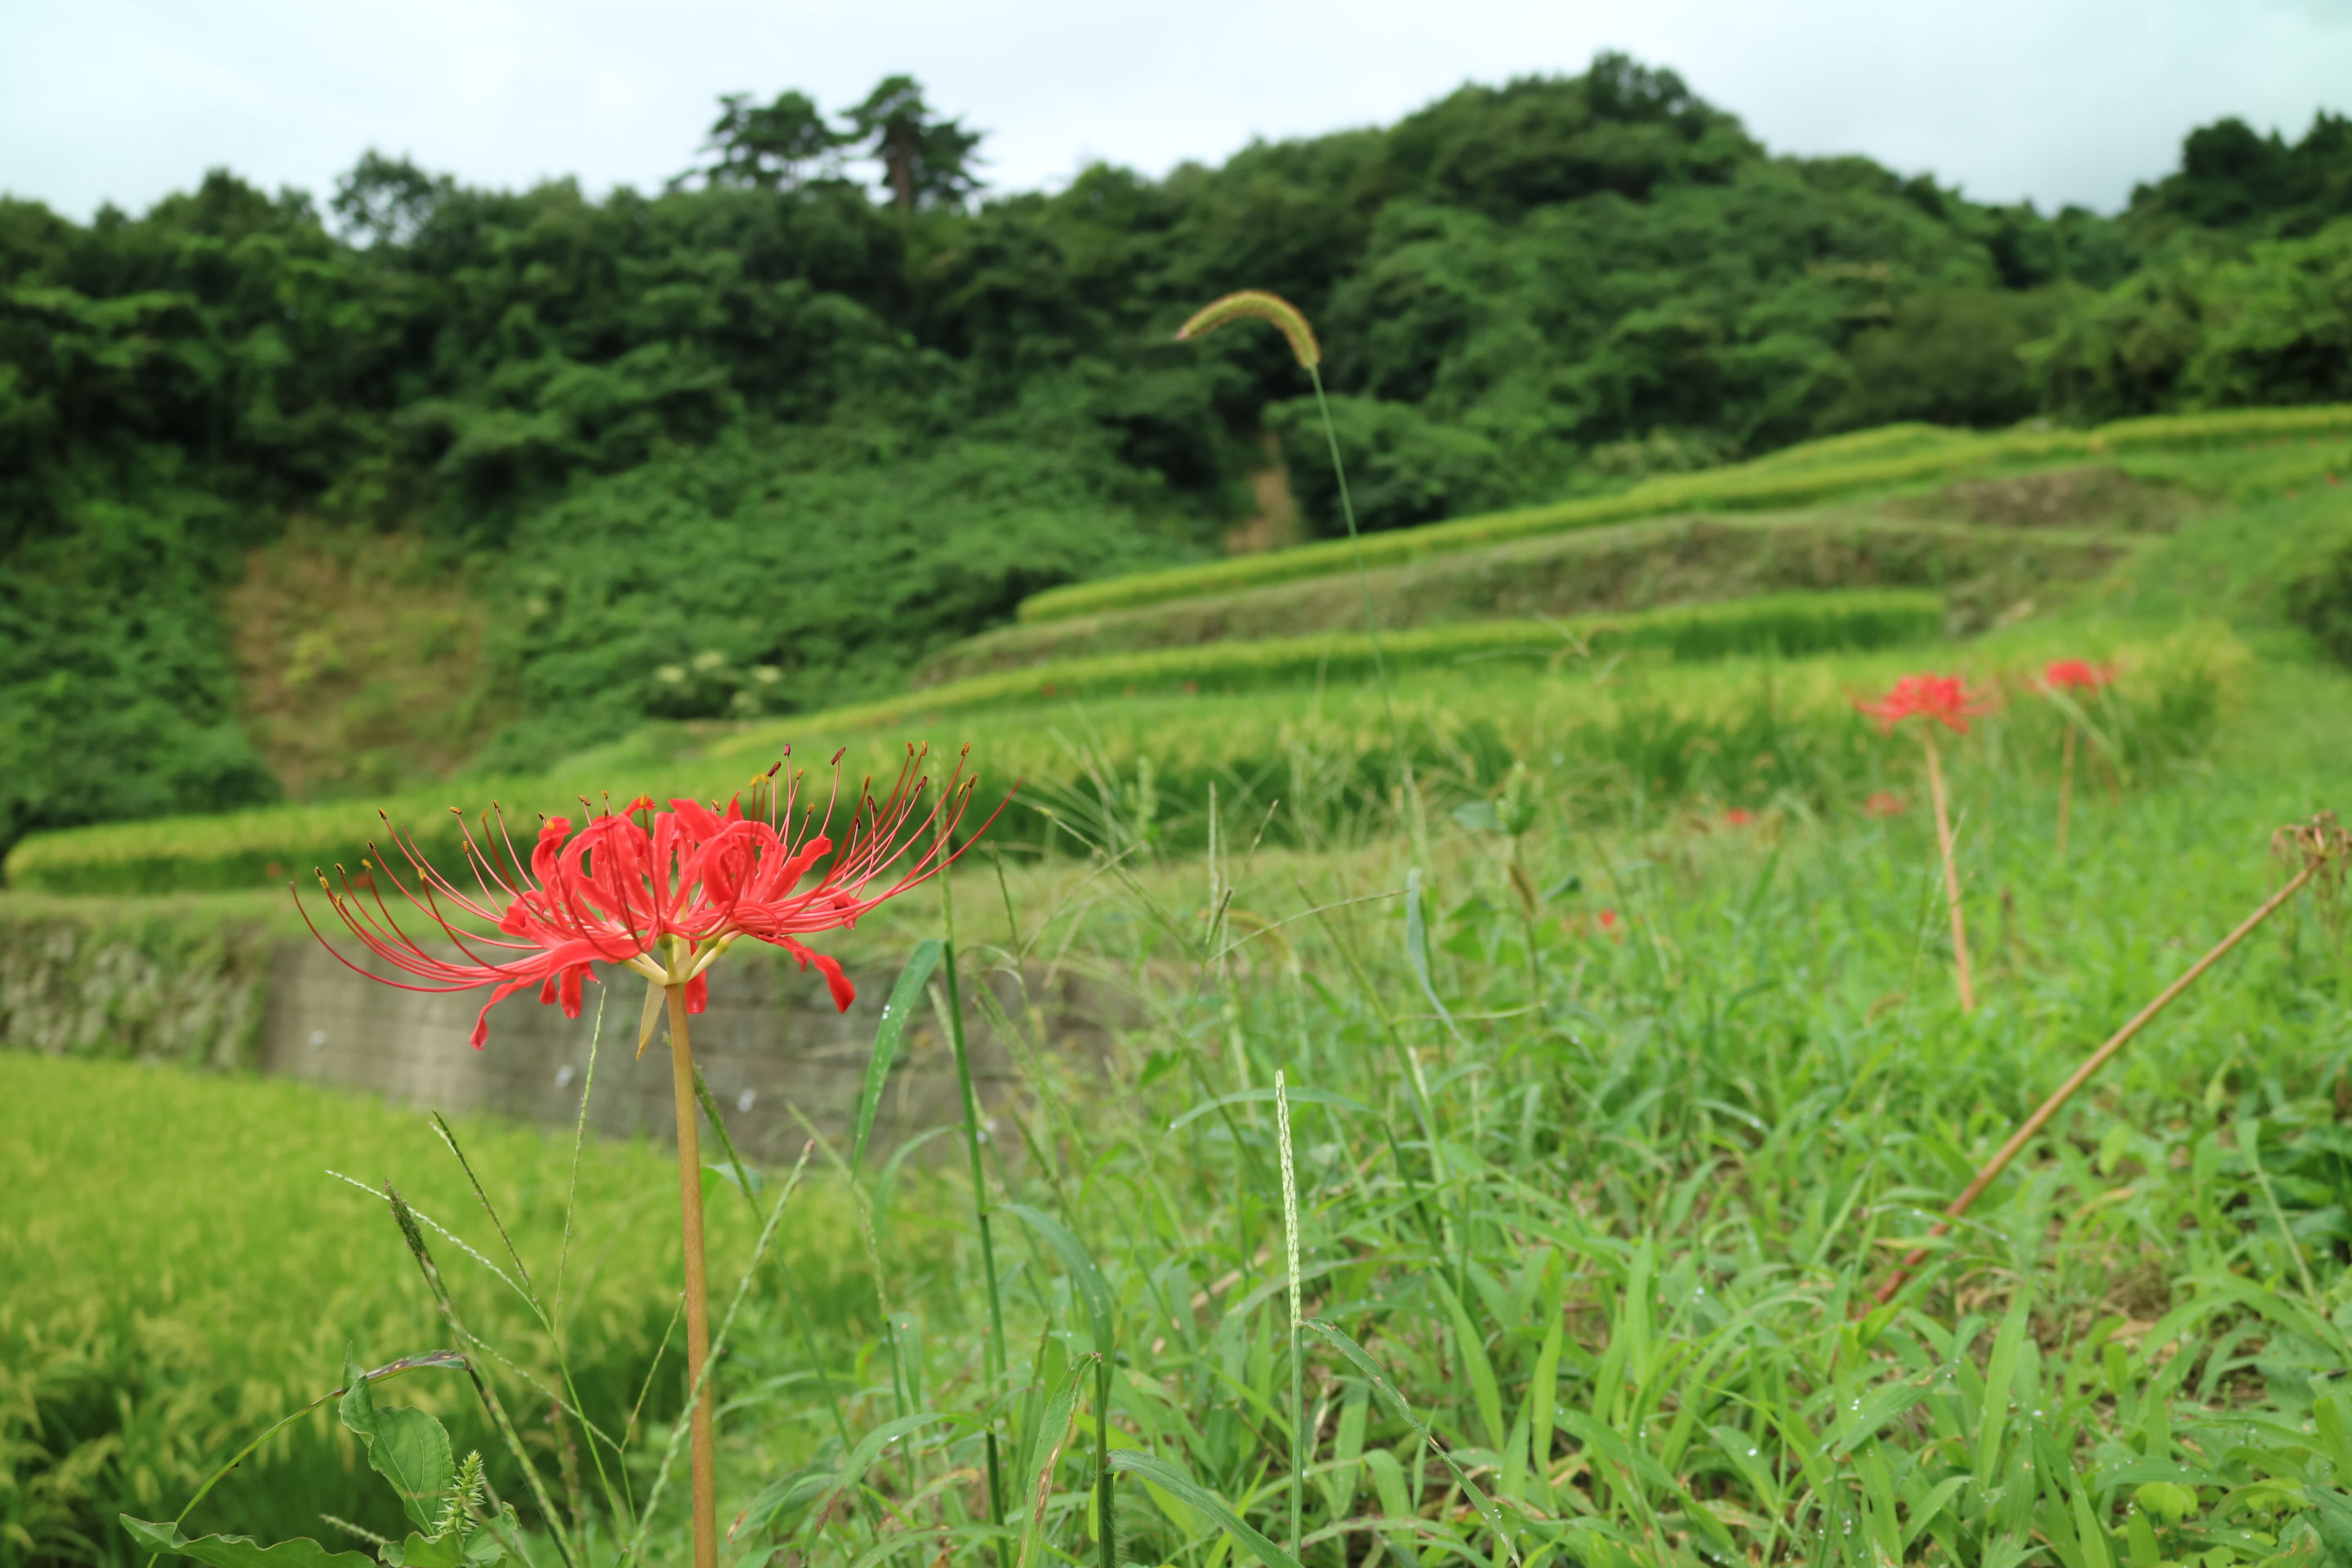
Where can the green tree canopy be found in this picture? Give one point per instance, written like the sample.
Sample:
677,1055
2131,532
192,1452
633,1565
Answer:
771,146
926,162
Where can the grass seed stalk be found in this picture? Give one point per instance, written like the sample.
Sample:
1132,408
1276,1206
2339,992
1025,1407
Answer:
2321,845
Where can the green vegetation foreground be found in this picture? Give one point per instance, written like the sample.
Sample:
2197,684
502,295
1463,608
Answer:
1598,1182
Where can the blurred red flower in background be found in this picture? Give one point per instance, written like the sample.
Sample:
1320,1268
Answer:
1883,803
1941,697
2075,675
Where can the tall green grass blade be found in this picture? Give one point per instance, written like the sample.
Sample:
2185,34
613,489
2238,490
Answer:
1086,1280
904,996
2001,1376
1416,951
1047,1435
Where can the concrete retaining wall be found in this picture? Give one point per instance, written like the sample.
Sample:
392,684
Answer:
770,1040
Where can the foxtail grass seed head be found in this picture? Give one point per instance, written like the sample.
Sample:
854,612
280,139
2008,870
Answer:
1256,304
1289,1193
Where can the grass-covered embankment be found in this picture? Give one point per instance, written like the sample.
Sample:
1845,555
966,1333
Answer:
1872,461
1745,732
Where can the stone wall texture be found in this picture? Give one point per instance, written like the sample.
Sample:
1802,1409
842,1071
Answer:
771,1046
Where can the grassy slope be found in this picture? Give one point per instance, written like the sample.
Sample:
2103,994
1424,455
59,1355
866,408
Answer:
1870,462
1628,567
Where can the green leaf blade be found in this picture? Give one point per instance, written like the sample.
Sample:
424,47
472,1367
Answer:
903,997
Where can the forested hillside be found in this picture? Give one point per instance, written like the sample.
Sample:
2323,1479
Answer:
765,440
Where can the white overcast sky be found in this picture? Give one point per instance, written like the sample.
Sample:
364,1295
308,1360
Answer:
2056,100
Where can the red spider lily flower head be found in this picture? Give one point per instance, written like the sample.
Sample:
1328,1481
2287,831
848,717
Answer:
2075,675
663,892
1883,803
1941,697
1739,817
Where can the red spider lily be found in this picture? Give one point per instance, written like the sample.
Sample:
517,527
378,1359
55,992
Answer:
1941,697
665,896
1739,817
1883,803
2075,675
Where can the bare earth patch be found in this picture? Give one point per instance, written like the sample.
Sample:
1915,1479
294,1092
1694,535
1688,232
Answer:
360,661
2097,496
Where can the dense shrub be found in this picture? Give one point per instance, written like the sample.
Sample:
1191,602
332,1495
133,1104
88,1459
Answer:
1948,357
790,578
2321,601
1403,468
2207,329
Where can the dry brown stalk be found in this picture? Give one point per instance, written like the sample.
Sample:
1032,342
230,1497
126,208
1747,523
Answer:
2321,845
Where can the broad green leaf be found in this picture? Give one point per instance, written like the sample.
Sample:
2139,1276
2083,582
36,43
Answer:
2090,1535
1924,1513
1636,1462
240,1551
417,1552
1085,1277
904,996
1192,1494
1746,1458
737,1176
405,1447
482,1552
